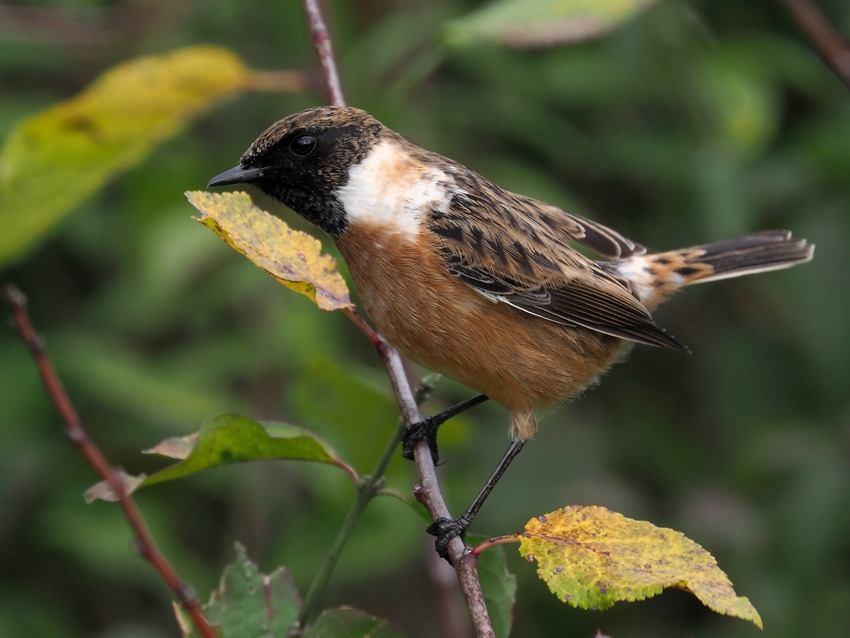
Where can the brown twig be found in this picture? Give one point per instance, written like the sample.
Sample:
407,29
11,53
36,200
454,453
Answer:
78,436
322,43
428,491
454,622
833,48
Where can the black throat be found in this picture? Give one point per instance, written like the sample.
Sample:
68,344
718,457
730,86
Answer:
325,211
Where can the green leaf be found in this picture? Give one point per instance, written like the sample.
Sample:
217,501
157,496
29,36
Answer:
292,257
249,604
499,588
224,440
591,558
542,23
230,438
346,622
54,160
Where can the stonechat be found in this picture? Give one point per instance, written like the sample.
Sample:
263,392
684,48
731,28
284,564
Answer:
474,281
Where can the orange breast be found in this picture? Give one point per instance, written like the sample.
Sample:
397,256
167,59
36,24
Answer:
519,360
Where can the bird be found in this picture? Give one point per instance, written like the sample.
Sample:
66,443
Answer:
491,288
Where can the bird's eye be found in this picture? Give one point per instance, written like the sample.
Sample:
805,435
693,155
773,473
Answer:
303,145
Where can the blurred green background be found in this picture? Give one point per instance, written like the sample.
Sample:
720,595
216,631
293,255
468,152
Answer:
693,122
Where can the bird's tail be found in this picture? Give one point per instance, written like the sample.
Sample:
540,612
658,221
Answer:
655,276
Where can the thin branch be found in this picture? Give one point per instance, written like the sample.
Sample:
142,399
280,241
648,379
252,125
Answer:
451,612
366,490
466,565
492,542
345,467
831,46
322,43
428,491
78,436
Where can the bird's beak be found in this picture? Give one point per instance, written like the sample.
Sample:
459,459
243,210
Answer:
240,174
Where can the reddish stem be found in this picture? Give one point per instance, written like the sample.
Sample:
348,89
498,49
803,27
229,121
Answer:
833,48
322,43
78,436
491,542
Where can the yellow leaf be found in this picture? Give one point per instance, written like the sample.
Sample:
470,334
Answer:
591,558
292,257
54,160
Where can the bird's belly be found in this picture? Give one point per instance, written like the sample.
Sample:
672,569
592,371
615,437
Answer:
519,360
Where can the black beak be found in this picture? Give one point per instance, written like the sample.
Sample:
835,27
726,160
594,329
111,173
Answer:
237,175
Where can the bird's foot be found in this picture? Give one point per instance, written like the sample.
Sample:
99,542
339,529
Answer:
445,529
424,430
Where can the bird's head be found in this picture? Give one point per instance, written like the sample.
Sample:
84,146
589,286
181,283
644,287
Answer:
304,159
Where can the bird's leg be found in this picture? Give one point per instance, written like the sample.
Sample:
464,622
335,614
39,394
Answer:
445,529
427,428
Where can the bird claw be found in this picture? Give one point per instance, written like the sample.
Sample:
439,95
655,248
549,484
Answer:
426,430
446,529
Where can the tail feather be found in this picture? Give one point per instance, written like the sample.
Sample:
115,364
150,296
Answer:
759,252
655,276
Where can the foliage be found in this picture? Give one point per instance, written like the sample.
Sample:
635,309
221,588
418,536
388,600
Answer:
226,439
499,586
592,558
686,123
250,604
54,160
292,257
350,623
534,23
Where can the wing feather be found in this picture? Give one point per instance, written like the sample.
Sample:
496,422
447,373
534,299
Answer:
519,255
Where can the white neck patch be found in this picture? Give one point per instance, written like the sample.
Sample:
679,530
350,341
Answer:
392,190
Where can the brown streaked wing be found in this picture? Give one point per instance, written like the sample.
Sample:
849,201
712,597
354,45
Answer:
605,241
514,256
479,198
601,305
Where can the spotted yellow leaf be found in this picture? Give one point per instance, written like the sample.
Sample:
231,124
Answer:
292,257
591,558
